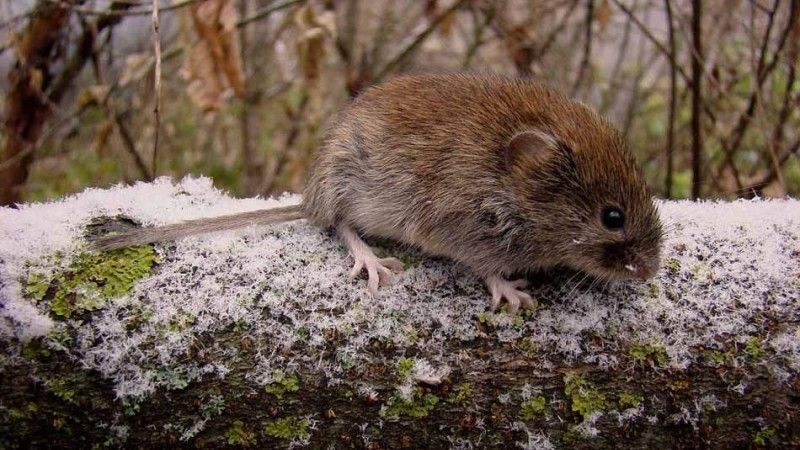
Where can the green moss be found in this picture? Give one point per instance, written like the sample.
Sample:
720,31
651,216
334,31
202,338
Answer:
35,350
652,351
409,261
61,335
654,289
303,333
288,428
181,321
461,394
91,279
417,407
718,358
572,437
532,408
755,348
673,265
403,367
585,399
238,435
26,412
63,389
629,399
528,347
486,318
764,436
36,286
282,384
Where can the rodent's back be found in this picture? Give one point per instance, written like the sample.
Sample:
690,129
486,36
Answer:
419,159
424,126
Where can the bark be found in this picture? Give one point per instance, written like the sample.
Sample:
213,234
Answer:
768,410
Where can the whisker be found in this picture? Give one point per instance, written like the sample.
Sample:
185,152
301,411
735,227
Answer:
569,295
572,278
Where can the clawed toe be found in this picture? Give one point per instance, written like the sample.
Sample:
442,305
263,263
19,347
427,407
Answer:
501,288
393,264
380,271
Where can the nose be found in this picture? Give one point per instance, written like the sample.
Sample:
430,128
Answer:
645,273
641,271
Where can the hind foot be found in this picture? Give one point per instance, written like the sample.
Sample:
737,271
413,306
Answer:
379,270
500,288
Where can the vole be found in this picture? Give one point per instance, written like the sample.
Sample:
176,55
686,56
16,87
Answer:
503,174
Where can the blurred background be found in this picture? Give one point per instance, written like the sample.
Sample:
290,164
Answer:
705,91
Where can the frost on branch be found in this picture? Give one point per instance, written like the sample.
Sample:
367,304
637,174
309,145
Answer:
271,310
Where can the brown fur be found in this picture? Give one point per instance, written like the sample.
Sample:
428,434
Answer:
422,160
432,161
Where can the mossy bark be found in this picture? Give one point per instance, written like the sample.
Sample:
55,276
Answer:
498,393
49,401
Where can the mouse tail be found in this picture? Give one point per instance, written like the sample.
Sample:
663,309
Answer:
141,236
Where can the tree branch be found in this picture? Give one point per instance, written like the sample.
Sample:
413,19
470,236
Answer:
731,145
264,13
673,94
697,75
415,43
587,48
119,12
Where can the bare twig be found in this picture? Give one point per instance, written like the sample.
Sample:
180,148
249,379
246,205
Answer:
14,19
130,146
126,12
697,76
524,51
645,30
763,70
291,137
416,42
757,187
31,147
251,166
258,15
479,29
777,162
117,119
551,38
587,48
157,105
83,52
635,86
615,79
346,37
117,122
673,97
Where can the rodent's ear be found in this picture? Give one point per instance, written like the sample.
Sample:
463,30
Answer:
532,146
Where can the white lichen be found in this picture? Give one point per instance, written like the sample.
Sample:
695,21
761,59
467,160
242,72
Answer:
535,440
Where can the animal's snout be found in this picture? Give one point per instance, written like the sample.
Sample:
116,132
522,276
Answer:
641,271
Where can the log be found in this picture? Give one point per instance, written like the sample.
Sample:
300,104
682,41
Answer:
258,338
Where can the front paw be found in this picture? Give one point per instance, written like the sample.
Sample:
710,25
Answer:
500,288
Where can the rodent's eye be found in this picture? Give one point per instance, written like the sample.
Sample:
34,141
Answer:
613,218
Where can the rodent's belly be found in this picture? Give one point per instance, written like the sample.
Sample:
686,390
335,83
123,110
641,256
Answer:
445,228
